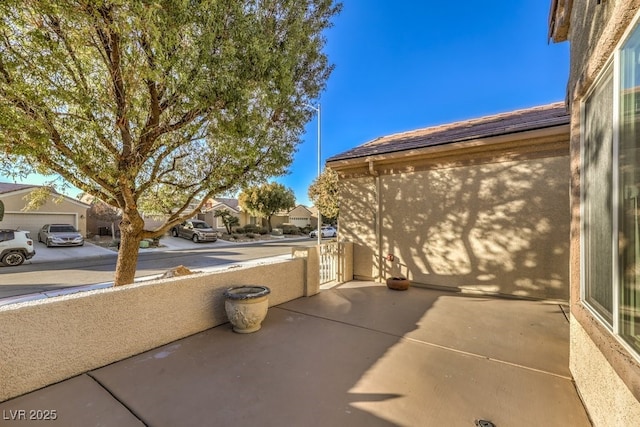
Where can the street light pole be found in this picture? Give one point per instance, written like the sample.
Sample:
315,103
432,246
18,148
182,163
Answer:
317,110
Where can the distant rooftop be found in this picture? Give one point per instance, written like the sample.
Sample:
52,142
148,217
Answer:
232,203
529,119
7,187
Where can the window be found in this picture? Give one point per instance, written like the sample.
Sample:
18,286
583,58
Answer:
629,191
611,194
6,235
597,216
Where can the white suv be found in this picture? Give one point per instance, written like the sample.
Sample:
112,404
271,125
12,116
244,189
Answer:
15,247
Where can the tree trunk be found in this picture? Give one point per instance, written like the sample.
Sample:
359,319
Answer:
269,223
131,228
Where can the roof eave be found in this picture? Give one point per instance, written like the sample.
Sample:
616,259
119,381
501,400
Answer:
560,20
488,142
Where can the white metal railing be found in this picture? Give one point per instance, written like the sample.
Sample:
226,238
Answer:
329,257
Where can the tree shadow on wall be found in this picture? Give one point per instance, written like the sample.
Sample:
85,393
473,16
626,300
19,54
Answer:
495,227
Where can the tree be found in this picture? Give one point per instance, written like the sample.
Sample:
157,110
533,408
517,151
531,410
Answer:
267,199
157,105
325,195
228,219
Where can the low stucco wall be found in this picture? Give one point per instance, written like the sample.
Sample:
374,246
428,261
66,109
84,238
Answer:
46,341
606,397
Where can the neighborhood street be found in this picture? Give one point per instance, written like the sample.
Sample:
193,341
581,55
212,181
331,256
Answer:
64,267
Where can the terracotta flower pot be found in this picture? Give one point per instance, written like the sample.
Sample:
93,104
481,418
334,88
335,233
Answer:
398,283
246,307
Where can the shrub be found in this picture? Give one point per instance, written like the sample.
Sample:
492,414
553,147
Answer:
238,230
264,230
290,229
252,228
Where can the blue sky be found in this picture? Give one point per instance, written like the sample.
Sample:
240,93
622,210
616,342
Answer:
404,65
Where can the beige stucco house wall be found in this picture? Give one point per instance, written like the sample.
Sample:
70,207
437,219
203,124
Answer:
56,209
230,205
487,214
300,216
605,369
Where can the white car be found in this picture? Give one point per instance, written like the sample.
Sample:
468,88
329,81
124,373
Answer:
16,246
327,231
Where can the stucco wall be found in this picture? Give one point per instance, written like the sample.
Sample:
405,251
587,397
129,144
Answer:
599,363
300,217
358,212
596,27
45,341
607,398
494,227
497,226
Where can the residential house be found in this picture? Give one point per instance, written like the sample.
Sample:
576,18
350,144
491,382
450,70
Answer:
479,205
301,216
57,208
231,205
604,98
102,219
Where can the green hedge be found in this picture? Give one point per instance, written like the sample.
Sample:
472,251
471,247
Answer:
290,229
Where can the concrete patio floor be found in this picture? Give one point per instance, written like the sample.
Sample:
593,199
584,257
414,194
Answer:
356,355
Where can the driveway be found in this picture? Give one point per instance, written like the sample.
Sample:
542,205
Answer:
64,253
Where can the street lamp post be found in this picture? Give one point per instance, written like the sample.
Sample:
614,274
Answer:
317,110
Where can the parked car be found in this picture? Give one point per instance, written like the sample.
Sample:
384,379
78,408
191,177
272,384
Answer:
196,230
327,231
16,246
60,235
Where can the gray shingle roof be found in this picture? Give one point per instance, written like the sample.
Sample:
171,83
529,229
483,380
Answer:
7,187
500,124
232,203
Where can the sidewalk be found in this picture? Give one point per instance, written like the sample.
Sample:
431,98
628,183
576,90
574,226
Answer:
356,355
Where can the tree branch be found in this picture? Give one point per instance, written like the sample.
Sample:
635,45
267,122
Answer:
111,44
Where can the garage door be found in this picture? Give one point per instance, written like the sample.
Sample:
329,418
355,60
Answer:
34,221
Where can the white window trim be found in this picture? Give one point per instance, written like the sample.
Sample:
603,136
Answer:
613,60
615,202
583,263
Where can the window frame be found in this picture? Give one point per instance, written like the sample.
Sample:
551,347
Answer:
614,62
601,79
